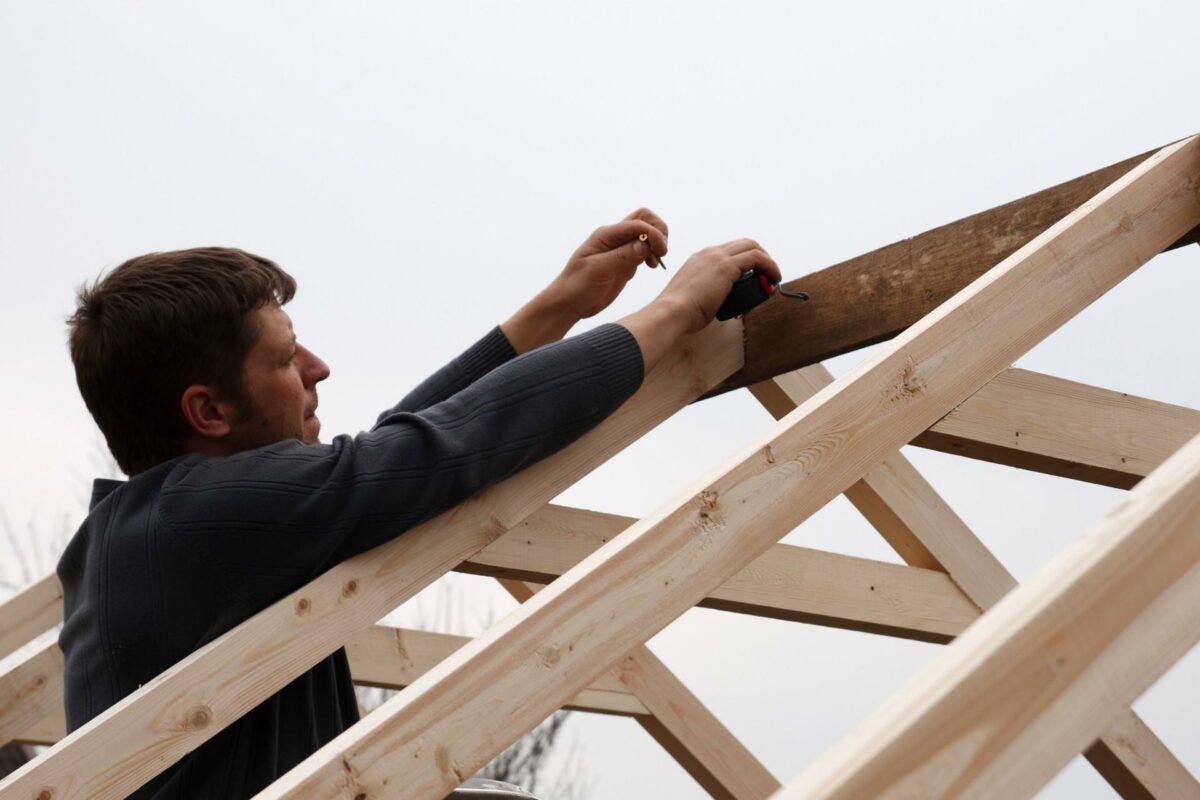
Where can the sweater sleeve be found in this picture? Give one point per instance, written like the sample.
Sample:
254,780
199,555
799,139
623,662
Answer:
478,360
290,511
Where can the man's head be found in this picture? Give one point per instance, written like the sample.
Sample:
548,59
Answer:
190,351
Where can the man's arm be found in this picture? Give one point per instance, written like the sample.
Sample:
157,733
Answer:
290,511
594,275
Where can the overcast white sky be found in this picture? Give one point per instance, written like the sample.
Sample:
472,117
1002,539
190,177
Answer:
422,169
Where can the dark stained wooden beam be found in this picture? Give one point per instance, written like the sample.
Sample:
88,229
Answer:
875,296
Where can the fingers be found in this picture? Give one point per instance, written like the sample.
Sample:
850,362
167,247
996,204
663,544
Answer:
757,257
630,255
739,246
611,237
646,215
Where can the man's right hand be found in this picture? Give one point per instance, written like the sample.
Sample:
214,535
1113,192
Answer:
693,296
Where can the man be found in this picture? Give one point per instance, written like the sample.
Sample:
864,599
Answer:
206,398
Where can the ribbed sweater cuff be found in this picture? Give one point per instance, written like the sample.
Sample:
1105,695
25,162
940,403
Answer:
621,355
488,353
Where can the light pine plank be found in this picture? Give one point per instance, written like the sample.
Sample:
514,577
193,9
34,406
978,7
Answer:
29,613
382,656
901,505
444,726
787,582
30,691
684,727
151,729
392,658
1006,706
46,731
1038,422
915,519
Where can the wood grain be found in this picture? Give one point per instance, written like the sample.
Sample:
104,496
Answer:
30,692
29,613
911,516
382,655
787,582
1005,707
444,726
684,727
1060,427
151,729
873,297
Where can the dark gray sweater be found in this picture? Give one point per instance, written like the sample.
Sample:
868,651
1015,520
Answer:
187,550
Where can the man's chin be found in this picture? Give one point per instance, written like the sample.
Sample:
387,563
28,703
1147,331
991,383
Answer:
312,430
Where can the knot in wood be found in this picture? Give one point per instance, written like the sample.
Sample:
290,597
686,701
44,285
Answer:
350,588
494,528
446,764
709,502
302,606
548,655
45,794
198,717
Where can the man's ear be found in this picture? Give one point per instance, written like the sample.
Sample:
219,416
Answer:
206,415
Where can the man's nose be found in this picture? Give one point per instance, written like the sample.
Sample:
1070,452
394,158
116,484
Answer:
315,370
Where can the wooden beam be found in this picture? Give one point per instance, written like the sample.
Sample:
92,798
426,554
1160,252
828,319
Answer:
875,296
392,658
787,582
1038,422
30,692
426,740
46,732
1005,707
154,727
915,519
900,504
29,613
682,725
31,707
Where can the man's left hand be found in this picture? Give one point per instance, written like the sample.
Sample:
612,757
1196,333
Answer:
594,276
598,271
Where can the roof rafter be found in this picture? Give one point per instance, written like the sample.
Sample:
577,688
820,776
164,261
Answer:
439,730
1004,708
1134,761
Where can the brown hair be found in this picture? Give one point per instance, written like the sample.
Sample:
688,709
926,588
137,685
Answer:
154,326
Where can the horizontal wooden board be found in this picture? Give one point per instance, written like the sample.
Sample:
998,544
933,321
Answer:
1060,427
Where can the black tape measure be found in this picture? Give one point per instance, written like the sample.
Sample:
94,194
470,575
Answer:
753,288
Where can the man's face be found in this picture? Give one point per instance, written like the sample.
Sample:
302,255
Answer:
281,378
